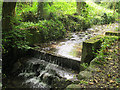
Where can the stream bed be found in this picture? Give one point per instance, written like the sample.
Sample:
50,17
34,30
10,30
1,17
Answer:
37,73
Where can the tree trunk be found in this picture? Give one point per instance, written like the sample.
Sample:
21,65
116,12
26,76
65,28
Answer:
42,11
8,11
80,7
114,7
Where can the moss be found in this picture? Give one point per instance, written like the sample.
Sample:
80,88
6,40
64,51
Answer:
90,47
73,86
84,75
94,39
112,33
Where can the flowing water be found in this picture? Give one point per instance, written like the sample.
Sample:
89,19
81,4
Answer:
70,47
37,73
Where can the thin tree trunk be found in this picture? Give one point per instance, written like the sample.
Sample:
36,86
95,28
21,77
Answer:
40,10
80,7
114,7
8,11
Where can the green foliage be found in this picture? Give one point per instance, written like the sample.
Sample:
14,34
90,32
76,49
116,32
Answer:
46,29
29,16
61,8
84,65
106,19
83,82
26,7
117,29
27,11
14,38
103,52
52,30
100,14
74,22
110,5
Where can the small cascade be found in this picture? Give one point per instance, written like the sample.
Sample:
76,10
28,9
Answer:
48,68
42,74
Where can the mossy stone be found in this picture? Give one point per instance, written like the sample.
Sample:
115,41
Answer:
73,87
84,75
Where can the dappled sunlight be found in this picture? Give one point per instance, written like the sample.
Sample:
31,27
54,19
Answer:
56,44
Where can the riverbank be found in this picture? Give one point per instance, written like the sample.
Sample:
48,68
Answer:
103,71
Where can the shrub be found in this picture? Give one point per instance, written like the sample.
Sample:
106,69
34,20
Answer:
106,19
74,22
14,39
45,30
29,17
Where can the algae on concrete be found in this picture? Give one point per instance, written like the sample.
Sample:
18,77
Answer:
111,33
90,47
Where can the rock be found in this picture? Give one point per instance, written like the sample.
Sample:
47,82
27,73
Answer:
47,78
89,49
16,66
73,86
72,39
81,35
60,83
84,75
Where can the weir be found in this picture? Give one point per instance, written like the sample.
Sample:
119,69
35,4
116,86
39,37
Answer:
59,60
66,53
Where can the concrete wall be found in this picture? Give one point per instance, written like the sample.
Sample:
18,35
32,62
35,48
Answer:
59,60
89,49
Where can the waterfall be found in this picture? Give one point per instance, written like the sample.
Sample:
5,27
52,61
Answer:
39,73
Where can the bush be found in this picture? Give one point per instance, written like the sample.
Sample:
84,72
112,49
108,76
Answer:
106,19
14,39
45,30
74,22
29,17
103,19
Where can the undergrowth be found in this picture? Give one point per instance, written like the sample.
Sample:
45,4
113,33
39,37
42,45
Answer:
103,53
62,18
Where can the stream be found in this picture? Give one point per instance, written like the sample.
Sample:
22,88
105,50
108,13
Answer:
37,73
